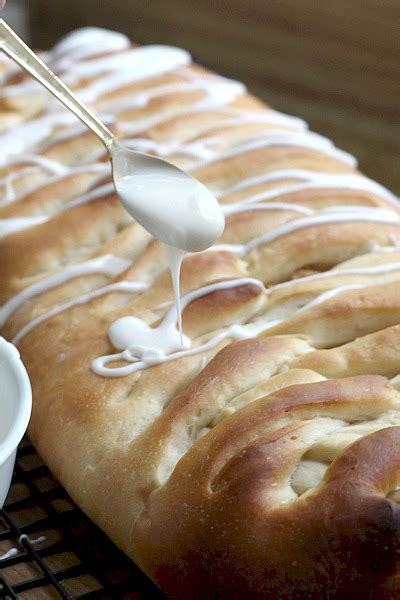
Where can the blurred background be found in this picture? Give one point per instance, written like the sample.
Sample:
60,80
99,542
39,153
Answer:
336,63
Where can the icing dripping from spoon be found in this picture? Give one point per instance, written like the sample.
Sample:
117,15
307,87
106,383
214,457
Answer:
173,206
176,209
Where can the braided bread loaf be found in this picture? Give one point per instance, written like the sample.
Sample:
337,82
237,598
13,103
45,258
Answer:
265,461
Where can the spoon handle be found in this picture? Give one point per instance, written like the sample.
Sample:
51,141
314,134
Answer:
16,49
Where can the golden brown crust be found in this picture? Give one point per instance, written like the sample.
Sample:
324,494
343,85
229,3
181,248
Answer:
262,468
230,490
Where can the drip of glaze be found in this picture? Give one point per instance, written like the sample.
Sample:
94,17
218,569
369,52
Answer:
221,90
107,264
215,92
357,183
119,286
59,171
204,151
307,140
338,272
175,209
108,72
143,346
15,140
36,162
146,344
132,287
84,42
160,344
175,257
10,226
9,554
21,540
362,214
47,164
232,209
7,183
99,192
312,180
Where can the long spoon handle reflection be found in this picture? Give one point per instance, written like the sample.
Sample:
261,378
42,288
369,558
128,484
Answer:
16,49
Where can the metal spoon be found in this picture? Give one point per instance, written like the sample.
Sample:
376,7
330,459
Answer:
127,163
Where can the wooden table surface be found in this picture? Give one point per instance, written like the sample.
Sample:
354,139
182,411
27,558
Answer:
336,64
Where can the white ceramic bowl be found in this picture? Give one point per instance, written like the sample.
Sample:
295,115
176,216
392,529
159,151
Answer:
15,410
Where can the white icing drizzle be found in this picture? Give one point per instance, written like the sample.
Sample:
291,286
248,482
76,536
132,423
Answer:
362,214
14,551
142,63
111,72
120,65
98,192
129,287
38,540
268,116
35,132
9,554
7,183
10,226
232,209
107,264
175,257
371,215
84,43
202,148
328,295
273,176
163,343
202,106
375,247
119,286
338,272
73,131
239,115
217,91
331,182
175,208
29,134
302,140
59,172
47,164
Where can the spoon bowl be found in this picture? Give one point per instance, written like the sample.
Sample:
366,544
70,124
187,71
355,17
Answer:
171,204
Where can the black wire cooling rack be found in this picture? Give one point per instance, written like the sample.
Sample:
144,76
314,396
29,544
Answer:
61,554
